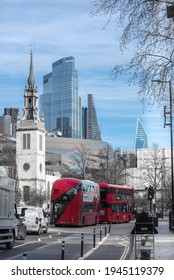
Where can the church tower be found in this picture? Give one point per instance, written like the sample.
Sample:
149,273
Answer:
30,144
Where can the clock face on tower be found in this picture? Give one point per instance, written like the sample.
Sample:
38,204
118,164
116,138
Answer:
26,166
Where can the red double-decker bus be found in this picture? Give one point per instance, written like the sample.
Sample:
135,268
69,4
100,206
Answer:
116,203
75,202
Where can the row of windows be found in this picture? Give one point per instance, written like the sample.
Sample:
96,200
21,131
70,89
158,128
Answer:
121,208
118,207
69,195
89,208
27,142
116,191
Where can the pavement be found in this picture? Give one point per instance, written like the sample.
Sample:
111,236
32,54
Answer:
110,248
163,243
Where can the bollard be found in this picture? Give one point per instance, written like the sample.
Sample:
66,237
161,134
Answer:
109,228
94,238
24,256
82,241
63,250
105,229
100,233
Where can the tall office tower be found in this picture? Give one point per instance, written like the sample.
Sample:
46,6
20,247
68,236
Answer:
5,125
60,102
84,122
13,112
141,140
93,131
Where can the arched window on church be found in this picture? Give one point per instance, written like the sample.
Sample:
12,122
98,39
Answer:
26,193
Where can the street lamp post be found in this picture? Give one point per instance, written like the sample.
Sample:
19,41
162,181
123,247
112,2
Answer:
171,219
163,182
171,142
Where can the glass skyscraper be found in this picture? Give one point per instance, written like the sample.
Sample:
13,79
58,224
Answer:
141,140
93,131
84,122
60,102
90,127
13,112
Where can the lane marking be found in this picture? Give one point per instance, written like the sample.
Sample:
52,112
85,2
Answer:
93,249
125,252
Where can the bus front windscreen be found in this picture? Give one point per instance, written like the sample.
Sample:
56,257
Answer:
61,203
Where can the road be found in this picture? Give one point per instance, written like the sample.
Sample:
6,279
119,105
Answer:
49,246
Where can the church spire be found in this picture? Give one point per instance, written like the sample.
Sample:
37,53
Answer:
30,96
31,80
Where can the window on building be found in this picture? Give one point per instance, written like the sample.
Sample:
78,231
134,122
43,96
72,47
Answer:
40,143
26,141
26,193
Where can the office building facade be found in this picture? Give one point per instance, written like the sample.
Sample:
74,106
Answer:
84,122
5,125
13,112
90,127
141,139
60,102
93,131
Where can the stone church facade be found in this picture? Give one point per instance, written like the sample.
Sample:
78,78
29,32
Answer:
30,143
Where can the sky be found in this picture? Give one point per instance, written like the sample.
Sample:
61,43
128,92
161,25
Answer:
61,28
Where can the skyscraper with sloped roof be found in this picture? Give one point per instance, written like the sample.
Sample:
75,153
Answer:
141,139
93,131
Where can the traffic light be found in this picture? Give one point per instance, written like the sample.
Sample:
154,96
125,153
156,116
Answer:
150,193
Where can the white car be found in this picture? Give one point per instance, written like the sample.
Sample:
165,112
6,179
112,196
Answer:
34,218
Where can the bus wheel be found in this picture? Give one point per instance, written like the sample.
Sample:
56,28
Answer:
117,220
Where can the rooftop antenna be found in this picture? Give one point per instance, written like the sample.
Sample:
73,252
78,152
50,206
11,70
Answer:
31,45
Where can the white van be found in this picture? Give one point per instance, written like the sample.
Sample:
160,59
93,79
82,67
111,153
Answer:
34,218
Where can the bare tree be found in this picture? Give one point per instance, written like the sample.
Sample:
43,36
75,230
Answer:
37,196
152,168
150,35
111,166
8,156
166,191
81,163
153,172
18,192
